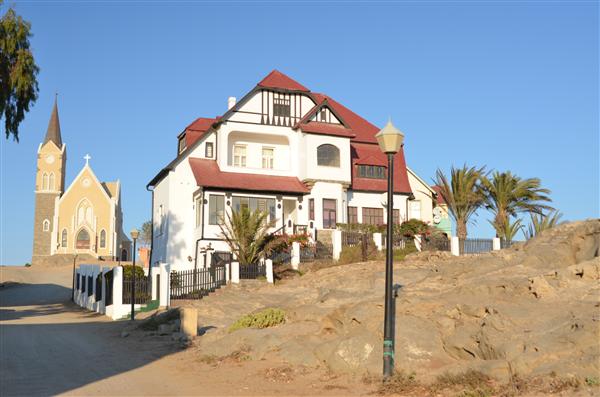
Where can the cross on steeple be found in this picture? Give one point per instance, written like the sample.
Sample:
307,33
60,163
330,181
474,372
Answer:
87,158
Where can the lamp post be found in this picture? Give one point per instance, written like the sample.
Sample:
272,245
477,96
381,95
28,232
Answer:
390,141
134,235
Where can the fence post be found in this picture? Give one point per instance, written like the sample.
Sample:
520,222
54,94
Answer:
418,242
454,246
117,297
496,244
377,238
295,259
104,270
269,270
336,240
227,273
235,272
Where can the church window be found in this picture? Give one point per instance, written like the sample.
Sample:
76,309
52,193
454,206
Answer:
85,213
102,238
51,181
83,240
63,239
45,181
46,225
89,216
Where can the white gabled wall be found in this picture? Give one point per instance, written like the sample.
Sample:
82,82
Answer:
309,169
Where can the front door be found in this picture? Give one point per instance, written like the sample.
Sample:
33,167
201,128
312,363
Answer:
289,215
83,240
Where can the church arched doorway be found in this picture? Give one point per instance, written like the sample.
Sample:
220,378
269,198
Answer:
83,240
124,255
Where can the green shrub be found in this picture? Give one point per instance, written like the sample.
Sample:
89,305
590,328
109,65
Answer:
360,227
592,381
263,319
128,271
28,264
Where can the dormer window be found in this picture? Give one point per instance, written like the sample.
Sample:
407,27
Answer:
281,107
181,144
371,171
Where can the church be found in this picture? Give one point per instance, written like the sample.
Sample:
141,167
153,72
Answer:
85,219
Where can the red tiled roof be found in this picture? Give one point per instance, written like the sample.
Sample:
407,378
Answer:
440,198
316,127
208,174
359,152
197,129
276,79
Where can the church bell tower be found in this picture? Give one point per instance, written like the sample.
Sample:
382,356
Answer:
49,185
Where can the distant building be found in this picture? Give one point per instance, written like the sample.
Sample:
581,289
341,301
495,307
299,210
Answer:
441,217
85,218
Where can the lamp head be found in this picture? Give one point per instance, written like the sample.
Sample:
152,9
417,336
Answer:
389,138
134,233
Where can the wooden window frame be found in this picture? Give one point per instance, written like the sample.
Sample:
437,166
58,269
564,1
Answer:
327,212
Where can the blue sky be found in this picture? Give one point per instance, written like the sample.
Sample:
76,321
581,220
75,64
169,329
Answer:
510,85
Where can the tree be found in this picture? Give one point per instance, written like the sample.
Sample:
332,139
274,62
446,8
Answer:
511,229
463,194
541,222
246,233
146,233
18,72
507,195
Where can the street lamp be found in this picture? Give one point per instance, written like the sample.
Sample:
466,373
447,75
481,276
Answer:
390,140
134,235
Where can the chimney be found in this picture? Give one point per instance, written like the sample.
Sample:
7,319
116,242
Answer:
230,102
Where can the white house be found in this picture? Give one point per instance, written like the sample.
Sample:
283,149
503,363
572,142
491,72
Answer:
301,156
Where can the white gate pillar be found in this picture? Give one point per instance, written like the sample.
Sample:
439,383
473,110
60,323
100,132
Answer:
269,270
295,259
496,244
454,246
235,272
336,240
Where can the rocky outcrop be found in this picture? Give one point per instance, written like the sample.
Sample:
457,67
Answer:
524,311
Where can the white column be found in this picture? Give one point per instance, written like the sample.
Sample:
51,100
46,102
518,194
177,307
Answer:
269,269
496,244
117,298
418,242
164,285
235,272
336,239
454,246
295,260
378,239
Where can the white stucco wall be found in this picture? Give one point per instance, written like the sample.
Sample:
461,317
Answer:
424,194
309,169
376,200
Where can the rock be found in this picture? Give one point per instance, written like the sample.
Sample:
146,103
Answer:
539,287
124,334
165,329
189,321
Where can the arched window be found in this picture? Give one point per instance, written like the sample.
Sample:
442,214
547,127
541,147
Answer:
124,255
102,238
51,181
85,212
46,225
328,155
63,238
83,240
44,181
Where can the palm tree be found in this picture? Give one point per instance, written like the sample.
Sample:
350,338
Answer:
246,233
507,195
541,222
510,230
463,194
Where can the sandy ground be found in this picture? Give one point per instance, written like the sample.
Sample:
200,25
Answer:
49,346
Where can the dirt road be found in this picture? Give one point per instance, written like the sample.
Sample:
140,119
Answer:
49,346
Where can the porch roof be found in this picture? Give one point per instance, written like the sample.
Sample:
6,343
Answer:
208,174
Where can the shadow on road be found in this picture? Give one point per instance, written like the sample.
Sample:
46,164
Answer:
50,346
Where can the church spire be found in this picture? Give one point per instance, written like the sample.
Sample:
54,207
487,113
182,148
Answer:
53,132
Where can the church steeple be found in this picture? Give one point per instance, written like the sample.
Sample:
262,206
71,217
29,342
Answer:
53,132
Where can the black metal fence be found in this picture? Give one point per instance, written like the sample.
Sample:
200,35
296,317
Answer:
142,290
195,284
438,243
77,277
281,257
99,288
399,242
505,243
108,281
90,285
475,245
351,239
316,251
252,271
308,253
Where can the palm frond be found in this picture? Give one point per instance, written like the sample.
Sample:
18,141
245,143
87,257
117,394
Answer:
541,222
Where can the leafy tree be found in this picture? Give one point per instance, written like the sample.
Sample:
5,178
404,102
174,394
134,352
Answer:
18,72
411,228
541,222
507,195
246,233
146,233
128,272
463,194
